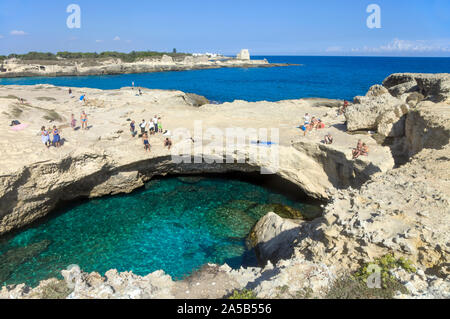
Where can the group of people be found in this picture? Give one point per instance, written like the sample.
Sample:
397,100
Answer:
151,127
311,123
361,150
84,121
55,132
154,126
45,136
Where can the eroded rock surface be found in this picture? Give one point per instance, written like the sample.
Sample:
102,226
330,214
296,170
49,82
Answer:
373,210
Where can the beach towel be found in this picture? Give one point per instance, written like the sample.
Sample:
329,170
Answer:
19,127
263,143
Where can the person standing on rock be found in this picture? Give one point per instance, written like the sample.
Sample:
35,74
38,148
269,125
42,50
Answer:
84,120
133,129
146,142
143,125
73,122
155,122
45,137
56,137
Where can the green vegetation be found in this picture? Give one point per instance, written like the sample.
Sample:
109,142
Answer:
13,97
355,286
52,115
45,99
243,294
126,57
16,111
56,290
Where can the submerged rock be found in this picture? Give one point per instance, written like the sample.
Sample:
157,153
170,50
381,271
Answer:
15,257
190,179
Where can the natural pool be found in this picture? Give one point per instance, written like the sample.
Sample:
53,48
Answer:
176,224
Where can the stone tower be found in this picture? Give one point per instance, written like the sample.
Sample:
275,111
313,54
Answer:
244,55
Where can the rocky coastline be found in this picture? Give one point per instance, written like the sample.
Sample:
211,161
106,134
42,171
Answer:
14,68
395,201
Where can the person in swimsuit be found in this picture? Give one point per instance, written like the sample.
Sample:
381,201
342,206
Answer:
357,151
365,150
45,137
56,137
328,139
146,142
168,143
84,120
73,122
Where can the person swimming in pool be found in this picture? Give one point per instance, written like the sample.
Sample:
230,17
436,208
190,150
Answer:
56,137
84,120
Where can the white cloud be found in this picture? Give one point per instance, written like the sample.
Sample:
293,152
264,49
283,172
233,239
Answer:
18,32
128,41
116,39
99,41
408,46
335,49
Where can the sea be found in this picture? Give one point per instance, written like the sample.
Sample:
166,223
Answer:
313,76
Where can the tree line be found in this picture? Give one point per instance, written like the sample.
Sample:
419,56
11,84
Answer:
126,57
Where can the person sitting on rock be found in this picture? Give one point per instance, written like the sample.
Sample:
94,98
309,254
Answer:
320,124
307,119
328,139
365,150
168,143
314,123
357,151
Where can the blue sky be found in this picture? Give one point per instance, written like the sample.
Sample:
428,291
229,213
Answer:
283,27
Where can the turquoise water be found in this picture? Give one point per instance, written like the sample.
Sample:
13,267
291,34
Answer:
174,224
327,77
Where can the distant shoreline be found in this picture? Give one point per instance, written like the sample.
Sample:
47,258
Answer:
19,68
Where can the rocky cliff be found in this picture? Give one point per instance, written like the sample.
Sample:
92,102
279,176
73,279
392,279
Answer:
373,208
17,68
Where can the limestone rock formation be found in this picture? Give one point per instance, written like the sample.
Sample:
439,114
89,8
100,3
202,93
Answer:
373,208
435,87
272,238
367,111
166,59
